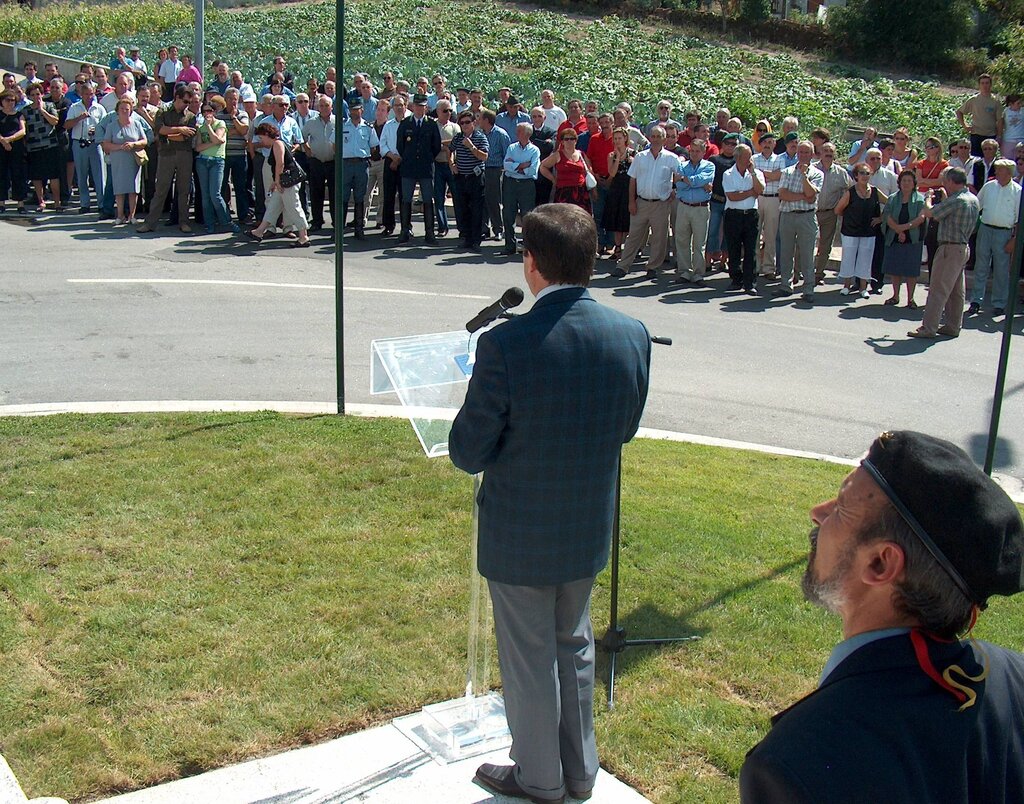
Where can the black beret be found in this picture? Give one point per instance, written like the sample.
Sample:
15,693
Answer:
792,135
419,98
767,135
967,522
512,101
355,103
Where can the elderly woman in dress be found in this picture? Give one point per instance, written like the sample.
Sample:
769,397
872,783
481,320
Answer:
123,140
280,200
904,238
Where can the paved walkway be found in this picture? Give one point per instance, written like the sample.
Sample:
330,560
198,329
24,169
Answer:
380,766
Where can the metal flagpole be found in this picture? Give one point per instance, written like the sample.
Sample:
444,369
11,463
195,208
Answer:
339,226
199,59
1004,351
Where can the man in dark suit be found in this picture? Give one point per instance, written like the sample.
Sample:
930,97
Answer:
907,554
419,142
555,394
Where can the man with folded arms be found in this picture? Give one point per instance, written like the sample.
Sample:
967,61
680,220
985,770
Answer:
650,204
771,165
742,184
909,707
837,181
799,186
518,189
693,190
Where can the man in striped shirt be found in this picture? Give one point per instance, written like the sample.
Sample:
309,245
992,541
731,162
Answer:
469,153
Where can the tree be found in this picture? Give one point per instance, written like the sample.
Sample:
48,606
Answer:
928,32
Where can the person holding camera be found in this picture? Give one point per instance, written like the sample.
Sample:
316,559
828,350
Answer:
82,119
469,153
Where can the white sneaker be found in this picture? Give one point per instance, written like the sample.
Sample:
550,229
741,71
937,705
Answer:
864,294
844,292
119,222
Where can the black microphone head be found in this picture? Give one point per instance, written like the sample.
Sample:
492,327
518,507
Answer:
512,297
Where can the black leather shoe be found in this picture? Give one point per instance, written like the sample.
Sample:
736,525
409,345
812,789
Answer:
501,779
581,795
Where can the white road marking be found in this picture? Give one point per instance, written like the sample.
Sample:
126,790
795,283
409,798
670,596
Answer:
246,283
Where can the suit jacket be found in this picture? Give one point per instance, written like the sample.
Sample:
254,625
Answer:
880,730
554,395
418,145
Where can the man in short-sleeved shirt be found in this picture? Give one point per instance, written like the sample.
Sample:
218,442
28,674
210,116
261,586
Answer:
986,113
799,187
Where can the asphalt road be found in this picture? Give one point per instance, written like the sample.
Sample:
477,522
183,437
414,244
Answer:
93,313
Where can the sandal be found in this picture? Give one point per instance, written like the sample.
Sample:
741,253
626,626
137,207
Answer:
912,304
299,244
894,300
617,253
251,234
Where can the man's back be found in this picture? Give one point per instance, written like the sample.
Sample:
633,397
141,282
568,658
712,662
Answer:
880,729
555,394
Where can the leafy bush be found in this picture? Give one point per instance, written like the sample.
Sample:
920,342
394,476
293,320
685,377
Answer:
76,21
1008,67
928,33
755,10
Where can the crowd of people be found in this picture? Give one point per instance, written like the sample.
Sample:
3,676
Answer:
762,204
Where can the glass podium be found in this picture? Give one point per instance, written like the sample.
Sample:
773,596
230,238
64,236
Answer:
429,374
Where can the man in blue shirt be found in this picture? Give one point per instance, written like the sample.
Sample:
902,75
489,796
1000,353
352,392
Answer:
359,138
497,144
693,190
511,117
518,188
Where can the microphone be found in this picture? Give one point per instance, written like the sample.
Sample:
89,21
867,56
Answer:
512,297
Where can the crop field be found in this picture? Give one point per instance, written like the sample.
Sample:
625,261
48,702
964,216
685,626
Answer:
491,44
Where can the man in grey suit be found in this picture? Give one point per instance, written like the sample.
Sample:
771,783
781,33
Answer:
555,393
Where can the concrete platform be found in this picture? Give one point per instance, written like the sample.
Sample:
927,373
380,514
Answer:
380,765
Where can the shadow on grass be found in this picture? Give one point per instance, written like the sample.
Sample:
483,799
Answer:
648,622
65,455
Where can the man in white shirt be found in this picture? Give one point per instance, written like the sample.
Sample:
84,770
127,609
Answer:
742,184
771,165
1000,200
389,151
883,179
82,119
554,116
651,201
169,71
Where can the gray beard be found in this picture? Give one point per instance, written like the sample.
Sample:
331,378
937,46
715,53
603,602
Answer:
826,592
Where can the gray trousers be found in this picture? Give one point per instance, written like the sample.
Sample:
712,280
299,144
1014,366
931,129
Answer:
798,232
492,196
517,196
991,257
546,654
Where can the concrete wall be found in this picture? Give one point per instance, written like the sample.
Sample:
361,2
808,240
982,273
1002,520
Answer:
14,55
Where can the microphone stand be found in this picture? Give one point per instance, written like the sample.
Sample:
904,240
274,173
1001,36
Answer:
614,640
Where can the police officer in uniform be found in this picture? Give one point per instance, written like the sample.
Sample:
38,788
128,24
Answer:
419,142
359,138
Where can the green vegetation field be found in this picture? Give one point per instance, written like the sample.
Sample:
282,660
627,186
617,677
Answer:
490,44
183,591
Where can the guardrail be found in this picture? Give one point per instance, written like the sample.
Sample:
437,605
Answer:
13,56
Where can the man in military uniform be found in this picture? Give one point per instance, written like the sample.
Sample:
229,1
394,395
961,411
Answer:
419,143
907,555
359,138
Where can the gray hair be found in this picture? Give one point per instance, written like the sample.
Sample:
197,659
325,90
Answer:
742,148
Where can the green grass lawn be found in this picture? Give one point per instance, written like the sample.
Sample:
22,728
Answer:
183,591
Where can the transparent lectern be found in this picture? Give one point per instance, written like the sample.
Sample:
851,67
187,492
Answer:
429,373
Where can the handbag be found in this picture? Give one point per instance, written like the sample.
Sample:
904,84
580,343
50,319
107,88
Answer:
591,180
141,157
292,174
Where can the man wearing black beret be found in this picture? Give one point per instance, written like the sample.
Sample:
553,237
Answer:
907,555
